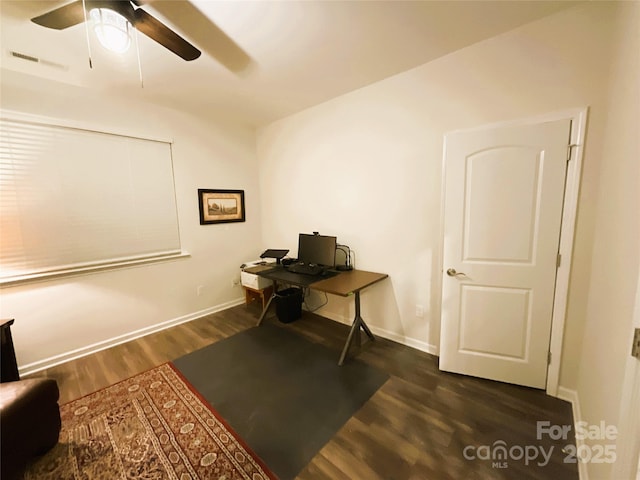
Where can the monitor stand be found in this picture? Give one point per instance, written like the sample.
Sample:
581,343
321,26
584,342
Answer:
274,253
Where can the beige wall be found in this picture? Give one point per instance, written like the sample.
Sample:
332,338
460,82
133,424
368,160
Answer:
57,317
615,261
367,165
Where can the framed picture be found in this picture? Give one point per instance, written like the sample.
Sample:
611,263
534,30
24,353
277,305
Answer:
221,206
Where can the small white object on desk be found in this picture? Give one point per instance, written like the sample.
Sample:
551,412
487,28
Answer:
252,280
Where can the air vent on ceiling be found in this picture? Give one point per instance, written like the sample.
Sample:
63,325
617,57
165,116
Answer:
31,58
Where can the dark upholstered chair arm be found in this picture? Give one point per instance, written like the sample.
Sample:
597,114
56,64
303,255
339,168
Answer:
29,422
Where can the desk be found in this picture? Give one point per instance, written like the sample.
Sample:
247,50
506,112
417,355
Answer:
344,284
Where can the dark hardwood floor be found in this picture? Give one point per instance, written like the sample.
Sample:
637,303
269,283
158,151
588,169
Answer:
421,424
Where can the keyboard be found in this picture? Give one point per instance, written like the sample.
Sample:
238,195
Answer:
306,269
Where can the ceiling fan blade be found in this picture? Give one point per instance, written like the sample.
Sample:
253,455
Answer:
63,17
203,32
158,31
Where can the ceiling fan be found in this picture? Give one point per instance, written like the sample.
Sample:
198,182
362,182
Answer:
129,11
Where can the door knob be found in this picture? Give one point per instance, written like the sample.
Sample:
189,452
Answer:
452,273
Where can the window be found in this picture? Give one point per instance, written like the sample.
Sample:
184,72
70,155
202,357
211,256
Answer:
72,198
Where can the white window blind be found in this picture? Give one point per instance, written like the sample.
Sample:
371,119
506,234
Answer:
73,198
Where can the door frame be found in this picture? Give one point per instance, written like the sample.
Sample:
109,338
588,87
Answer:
627,464
578,117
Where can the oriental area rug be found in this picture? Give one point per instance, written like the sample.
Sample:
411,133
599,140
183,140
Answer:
151,426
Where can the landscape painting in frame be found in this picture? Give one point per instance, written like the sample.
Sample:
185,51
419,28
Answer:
221,206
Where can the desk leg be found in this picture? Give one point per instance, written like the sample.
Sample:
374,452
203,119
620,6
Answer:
266,307
358,323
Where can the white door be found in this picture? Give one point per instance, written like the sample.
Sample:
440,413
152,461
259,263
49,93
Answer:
504,191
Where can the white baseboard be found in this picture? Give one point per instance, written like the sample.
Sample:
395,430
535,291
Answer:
96,347
111,342
571,396
381,332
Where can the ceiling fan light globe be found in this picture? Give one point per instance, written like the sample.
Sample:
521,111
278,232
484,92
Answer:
112,29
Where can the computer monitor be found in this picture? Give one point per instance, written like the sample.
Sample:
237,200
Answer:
317,249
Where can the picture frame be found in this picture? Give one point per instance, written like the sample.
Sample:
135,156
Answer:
220,206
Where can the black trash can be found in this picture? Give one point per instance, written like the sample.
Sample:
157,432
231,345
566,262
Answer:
289,304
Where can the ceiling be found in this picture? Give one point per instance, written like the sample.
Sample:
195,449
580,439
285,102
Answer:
301,53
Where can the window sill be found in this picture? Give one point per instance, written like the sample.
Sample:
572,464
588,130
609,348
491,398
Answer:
69,272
